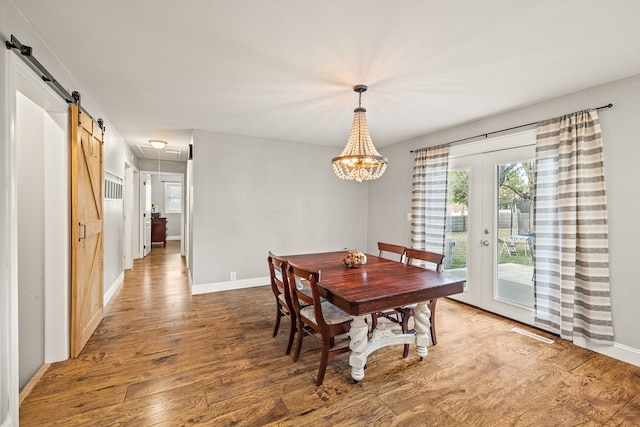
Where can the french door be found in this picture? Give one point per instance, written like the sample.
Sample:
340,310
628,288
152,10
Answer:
489,228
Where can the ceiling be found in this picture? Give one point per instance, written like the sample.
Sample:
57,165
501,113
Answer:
285,69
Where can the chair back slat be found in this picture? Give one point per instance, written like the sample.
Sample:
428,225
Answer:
278,274
390,247
299,279
421,255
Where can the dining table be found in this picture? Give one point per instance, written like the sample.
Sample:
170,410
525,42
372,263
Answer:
379,285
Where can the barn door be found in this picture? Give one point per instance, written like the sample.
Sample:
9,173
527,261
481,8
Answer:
86,228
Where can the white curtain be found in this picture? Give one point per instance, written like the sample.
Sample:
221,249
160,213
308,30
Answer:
571,249
429,198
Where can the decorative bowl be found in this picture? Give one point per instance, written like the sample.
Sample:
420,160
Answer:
354,259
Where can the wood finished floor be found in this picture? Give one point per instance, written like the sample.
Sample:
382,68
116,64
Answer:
164,357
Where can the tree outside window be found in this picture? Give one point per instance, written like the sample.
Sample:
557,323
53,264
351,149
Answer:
173,197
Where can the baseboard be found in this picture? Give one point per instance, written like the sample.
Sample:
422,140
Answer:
112,289
617,351
205,288
174,238
35,379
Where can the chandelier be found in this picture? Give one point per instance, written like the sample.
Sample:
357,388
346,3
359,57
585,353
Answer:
359,160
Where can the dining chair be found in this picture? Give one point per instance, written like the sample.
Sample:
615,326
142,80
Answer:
280,287
319,318
390,247
435,261
384,249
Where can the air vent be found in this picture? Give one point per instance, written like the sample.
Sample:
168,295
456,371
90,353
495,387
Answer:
173,154
113,187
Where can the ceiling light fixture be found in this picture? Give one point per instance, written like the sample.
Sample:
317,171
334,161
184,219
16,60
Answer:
157,144
359,160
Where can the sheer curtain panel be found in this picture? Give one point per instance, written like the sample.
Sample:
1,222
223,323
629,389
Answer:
572,292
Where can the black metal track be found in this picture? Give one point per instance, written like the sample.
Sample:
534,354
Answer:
499,131
27,55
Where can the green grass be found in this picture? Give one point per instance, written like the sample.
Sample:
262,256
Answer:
459,254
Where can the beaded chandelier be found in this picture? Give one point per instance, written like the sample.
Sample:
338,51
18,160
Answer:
359,161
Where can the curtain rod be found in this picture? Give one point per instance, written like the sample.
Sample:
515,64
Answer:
27,54
486,134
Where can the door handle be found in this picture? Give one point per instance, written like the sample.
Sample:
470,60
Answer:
84,231
485,242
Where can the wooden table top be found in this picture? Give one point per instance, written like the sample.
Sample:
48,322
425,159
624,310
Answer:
379,285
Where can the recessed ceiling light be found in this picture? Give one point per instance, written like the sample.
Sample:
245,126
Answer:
156,143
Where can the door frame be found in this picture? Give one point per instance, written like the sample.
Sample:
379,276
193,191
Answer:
142,215
56,245
21,77
481,260
136,245
128,211
183,213
490,300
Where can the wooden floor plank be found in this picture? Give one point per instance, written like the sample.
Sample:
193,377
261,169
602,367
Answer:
162,357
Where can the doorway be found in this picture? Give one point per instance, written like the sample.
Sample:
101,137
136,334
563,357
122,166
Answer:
41,223
162,196
489,238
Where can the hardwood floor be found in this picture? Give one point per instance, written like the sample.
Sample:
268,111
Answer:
164,357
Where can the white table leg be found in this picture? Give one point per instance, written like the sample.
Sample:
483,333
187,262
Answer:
359,339
422,319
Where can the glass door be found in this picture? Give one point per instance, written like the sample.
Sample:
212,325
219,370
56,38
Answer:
489,226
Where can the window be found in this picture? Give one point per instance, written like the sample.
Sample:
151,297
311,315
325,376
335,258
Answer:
173,197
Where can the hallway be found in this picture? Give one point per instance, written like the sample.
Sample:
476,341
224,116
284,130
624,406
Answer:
164,357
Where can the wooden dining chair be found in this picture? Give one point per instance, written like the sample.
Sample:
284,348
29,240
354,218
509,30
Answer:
385,249
433,260
319,319
391,248
280,287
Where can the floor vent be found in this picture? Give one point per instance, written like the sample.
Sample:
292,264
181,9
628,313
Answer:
532,335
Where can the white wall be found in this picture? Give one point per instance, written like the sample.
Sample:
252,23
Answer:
390,196
30,130
57,230
8,274
187,241
43,223
113,240
9,20
252,195
116,155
